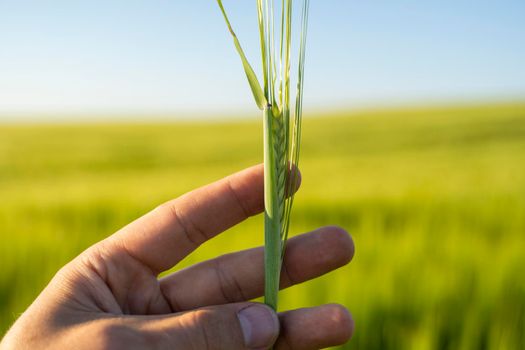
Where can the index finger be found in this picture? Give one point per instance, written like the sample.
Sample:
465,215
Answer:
163,237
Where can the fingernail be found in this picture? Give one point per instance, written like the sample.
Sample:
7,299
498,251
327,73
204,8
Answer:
260,326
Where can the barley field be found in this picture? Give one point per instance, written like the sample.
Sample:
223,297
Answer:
433,197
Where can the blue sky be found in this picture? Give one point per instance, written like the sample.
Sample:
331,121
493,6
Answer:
158,56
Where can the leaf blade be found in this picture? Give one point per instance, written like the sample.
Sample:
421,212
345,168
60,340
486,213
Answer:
255,86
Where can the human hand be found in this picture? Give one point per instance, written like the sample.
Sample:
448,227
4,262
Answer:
110,297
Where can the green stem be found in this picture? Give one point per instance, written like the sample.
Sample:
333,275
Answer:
272,214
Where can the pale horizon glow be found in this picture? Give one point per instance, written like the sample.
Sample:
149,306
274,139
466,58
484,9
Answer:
176,57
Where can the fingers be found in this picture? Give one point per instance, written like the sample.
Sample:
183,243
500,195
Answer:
163,237
240,276
315,328
233,326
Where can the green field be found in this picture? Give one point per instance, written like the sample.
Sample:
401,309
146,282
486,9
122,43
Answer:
434,198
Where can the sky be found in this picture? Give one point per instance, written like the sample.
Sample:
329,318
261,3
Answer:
63,57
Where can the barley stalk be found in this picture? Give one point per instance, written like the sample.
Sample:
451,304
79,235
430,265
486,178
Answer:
275,174
282,128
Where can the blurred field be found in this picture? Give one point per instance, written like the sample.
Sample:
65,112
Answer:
434,198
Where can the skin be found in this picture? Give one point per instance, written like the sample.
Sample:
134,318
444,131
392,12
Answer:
110,296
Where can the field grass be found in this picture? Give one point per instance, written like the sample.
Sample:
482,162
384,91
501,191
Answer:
434,198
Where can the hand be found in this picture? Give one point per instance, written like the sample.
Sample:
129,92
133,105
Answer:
109,297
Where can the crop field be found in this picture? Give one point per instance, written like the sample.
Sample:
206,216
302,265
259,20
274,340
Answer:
433,197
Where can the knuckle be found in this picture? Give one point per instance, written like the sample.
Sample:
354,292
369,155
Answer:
194,327
118,336
230,287
209,329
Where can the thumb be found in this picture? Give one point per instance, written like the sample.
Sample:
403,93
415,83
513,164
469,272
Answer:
232,326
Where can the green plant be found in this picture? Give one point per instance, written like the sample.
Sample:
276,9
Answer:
282,127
